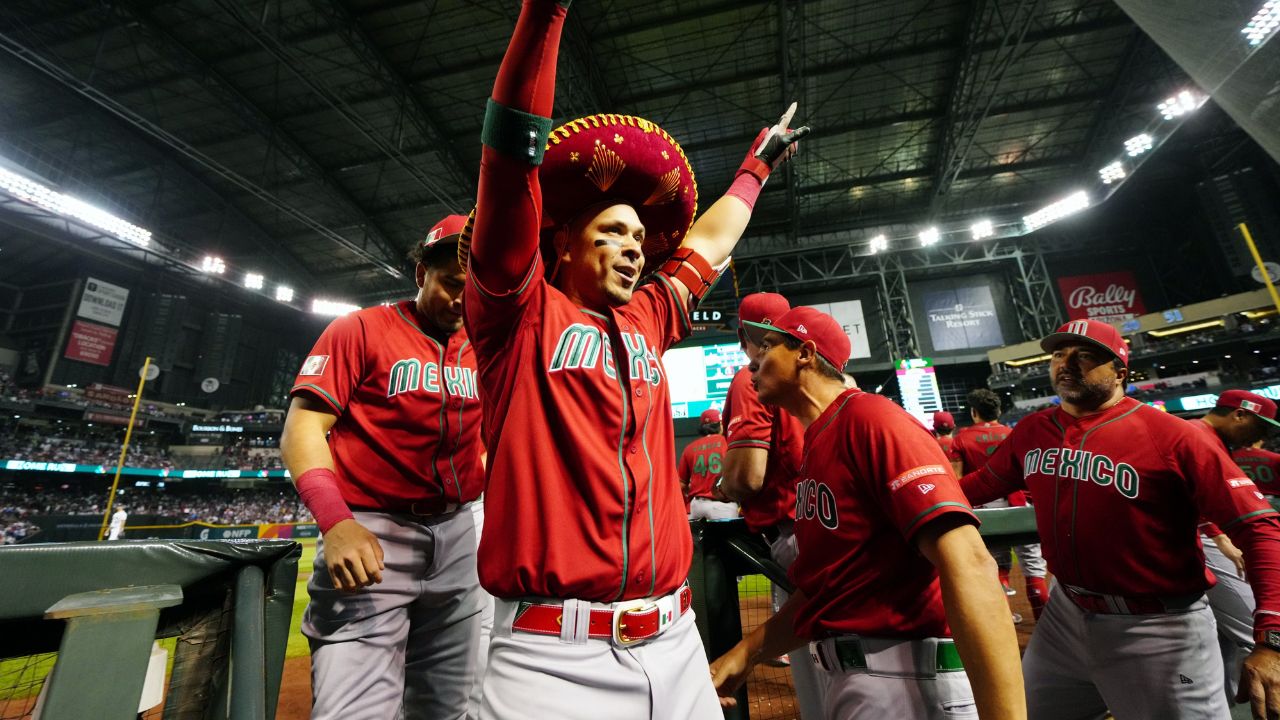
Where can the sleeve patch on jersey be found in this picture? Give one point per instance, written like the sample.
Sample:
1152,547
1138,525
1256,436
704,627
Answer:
1240,482
914,474
314,365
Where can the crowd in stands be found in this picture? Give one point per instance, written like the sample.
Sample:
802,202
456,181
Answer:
214,505
81,451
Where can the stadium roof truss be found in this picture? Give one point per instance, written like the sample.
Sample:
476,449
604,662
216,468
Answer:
315,140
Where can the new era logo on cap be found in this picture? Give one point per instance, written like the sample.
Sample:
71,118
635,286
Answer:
802,329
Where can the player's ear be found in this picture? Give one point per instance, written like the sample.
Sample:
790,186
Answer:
420,275
561,243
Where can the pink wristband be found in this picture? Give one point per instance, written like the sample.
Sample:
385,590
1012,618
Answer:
318,488
746,187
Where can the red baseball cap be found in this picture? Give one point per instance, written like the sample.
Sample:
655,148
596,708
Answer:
760,308
943,419
447,229
1094,332
1259,405
808,325
710,416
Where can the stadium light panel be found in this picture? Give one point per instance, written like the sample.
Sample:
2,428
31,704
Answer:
284,293
982,229
879,243
253,281
332,308
213,265
1263,24
1180,104
930,236
1050,214
33,193
1112,173
1138,144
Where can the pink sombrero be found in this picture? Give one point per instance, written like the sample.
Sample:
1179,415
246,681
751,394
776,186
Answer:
621,158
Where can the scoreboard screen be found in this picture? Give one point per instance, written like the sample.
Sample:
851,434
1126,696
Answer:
699,377
919,386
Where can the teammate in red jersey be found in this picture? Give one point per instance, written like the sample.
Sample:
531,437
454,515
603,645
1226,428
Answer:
590,569
1238,419
944,425
766,446
889,551
1119,487
700,468
973,445
396,610
1261,465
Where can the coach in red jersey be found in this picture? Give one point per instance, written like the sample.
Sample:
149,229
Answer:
700,470
383,442
1119,488
590,568
888,552
766,446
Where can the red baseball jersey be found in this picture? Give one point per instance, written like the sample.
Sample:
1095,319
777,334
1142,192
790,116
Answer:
948,445
974,444
701,464
1262,466
1119,494
582,474
752,424
872,477
408,427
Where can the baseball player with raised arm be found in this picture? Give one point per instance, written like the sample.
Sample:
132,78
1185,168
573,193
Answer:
1119,488
1238,419
766,446
973,445
383,442
890,563
700,468
1261,465
592,614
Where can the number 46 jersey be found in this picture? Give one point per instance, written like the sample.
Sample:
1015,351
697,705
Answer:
702,462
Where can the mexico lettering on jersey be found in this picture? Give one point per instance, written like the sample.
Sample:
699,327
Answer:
408,407
872,477
582,476
701,464
752,424
1261,466
1119,494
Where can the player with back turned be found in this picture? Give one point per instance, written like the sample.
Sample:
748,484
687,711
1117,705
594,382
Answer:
592,615
383,442
700,467
890,562
1119,489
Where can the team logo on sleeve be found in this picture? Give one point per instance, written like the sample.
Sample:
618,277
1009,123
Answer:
314,365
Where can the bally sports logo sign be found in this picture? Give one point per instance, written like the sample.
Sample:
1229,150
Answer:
1109,297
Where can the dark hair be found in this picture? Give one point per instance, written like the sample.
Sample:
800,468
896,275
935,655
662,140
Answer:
436,256
709,428
1222,411
1117,364
826,369
985,404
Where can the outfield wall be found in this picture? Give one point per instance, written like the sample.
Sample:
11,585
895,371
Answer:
76,528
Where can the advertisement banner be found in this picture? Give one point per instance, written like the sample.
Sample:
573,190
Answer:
111,418
91,343
1110,297
849,314
103,302
289,531
963,318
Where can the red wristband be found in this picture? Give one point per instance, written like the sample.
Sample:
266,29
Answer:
318,488
746,187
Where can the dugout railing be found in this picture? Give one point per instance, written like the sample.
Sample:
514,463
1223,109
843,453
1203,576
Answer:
724,551
94,610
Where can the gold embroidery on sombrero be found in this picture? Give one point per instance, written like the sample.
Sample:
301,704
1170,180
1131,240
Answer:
606,166
666,189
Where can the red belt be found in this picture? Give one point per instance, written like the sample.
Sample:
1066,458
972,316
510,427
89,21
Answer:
1128,604
626,623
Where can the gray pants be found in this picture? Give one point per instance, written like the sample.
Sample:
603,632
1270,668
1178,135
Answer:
1029,557
810,681
1080,665
869,696
1232,603
540,677
408,647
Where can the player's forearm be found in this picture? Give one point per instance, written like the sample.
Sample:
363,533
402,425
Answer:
744,470
1259,540
981,487
777,636
979,618
717,231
